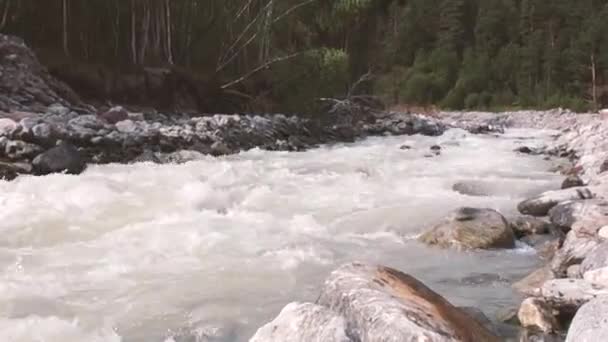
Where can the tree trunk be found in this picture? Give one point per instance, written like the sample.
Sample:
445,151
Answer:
593,82
133,33
66,49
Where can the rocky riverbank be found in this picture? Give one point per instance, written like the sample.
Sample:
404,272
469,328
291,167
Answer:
45,127
568,295
564,300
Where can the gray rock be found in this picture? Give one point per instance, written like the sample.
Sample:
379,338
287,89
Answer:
126,126
472,188
595,266
596,259
19,150
220,149
306,322
62,158
537,314
57,109
529,225
590,324
43,134
540,205
573,251
383,304
567,295
114,115
7,126
10,171
531,284
572,182
583,216
471,228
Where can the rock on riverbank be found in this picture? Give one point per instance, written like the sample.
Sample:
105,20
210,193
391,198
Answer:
575,283
365,303
150,137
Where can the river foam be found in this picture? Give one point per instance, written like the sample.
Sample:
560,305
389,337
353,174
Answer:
211,249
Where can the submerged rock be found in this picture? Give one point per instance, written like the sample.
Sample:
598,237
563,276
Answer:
304,322
62,158
383,304
540,205
471,228
524,150
590,324
472,188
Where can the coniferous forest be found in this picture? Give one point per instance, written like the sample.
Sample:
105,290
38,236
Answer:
281,55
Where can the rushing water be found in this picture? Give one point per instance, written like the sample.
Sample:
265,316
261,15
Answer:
212,249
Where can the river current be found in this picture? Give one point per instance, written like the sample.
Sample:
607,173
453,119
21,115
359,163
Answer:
212,249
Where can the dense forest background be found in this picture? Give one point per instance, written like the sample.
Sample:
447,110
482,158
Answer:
282,55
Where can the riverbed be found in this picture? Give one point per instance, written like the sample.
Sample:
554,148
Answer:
212,249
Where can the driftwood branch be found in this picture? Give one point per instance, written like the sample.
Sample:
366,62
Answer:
292,9
260,68
368,76
229,55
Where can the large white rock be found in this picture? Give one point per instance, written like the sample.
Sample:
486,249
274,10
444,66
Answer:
471,228
574,250
7,126
304,322
384,305
583,216
590,323
569,294
536,314
595,266
540,205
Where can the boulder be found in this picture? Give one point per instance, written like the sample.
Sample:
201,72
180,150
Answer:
7,127
114,115
590,324
61,158
573,251
572,181
472,188
529,225
595,266
383,304
531,284
471,228
20,150
537,314
583,216
524,150
540,205
304,322
567,295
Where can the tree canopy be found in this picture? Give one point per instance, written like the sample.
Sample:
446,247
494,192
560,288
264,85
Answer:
283,54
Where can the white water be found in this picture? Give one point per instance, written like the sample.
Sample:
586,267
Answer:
210,250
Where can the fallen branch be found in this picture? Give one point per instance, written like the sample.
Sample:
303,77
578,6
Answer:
260,68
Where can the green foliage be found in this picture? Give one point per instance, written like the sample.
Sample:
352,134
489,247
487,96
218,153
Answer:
456,53
318,73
